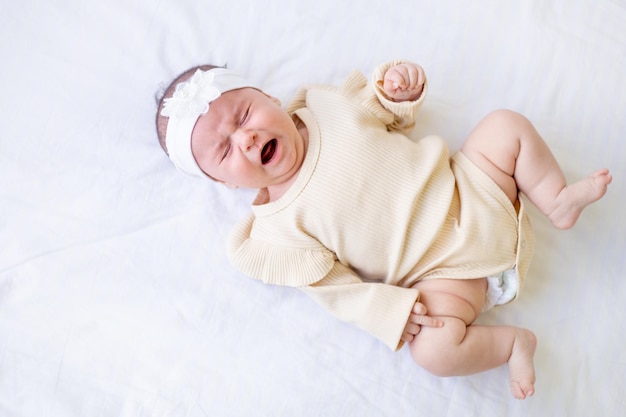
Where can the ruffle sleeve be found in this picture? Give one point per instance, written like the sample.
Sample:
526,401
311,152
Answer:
397,116
381,310
291,266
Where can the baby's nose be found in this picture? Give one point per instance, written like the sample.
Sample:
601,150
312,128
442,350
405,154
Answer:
244,138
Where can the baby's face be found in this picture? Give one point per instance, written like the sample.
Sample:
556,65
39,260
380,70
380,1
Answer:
247,140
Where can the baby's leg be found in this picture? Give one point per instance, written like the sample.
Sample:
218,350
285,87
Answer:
506,146
460,349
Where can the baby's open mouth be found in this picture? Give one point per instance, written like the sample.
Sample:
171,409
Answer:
267,153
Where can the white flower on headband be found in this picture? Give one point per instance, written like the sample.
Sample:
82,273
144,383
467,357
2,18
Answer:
192,98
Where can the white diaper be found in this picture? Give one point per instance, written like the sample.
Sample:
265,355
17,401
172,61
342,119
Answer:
501,288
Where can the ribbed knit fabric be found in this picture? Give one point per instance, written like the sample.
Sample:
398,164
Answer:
372,212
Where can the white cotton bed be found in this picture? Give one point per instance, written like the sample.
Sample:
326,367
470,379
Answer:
115,295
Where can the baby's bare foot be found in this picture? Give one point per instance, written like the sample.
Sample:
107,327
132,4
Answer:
521,367
574,198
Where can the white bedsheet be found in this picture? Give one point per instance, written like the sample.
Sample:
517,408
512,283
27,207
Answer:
115,295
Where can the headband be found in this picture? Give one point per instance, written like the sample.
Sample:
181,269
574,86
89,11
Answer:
190,100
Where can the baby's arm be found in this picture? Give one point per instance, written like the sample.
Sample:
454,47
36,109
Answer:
404,82
387,312
400,88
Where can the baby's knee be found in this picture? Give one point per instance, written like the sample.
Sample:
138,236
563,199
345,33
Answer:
506,118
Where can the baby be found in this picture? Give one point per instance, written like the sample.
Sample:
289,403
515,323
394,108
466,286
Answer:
392,235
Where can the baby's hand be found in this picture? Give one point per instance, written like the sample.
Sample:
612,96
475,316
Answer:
404,82
417,319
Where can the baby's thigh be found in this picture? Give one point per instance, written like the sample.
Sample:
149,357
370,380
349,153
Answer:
459,298
493,146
